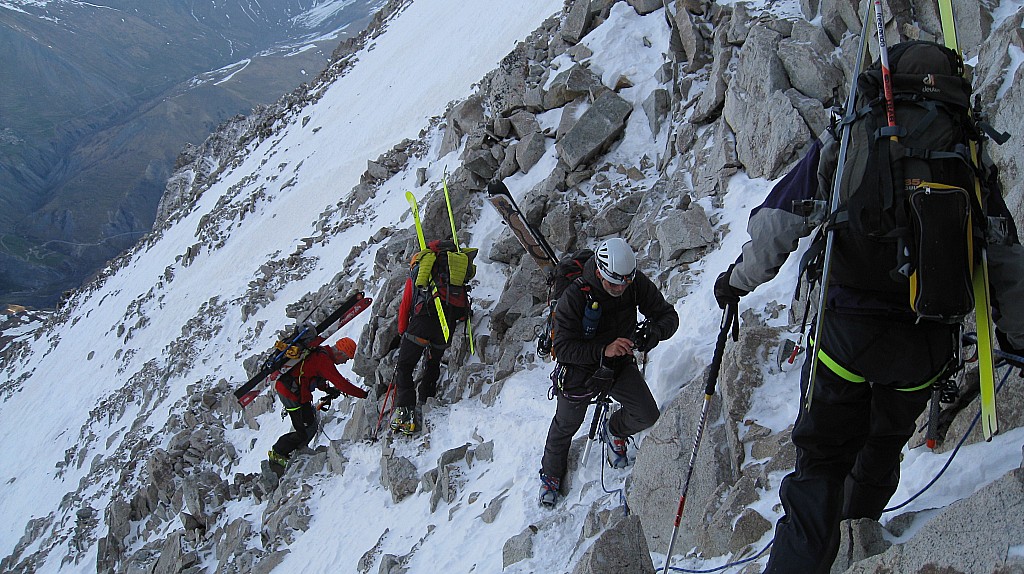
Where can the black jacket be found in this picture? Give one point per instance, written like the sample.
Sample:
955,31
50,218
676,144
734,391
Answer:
618,317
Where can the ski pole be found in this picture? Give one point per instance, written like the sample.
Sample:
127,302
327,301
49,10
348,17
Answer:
883,58
730,322
600,404
1010,358
389,394
833,203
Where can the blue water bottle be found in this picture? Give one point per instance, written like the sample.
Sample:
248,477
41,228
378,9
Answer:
591,318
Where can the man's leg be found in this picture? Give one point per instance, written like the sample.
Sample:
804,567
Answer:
827,437
568,419
639,409
408,355
424,332
431,372
876,473
303,419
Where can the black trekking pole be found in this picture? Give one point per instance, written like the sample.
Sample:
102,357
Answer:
833,204
601,404
730,322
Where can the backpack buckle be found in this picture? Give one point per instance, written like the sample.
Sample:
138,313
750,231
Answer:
997,232
813,210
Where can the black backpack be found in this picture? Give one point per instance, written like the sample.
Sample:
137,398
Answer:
567,271
909,220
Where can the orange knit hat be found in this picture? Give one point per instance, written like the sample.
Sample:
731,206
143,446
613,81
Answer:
347,346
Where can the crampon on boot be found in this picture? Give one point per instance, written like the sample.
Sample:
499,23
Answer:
548,490
404,421
617,453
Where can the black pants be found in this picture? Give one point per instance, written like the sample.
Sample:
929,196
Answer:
428,329
849,442
639,412
303,417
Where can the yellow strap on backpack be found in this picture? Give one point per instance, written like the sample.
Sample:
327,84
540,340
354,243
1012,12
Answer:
458,264
426,260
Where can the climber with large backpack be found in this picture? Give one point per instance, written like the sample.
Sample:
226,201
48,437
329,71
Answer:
595,327
906,233
436,290
295,389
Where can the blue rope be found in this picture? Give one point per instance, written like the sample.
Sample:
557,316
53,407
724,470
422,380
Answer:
952,454
724,566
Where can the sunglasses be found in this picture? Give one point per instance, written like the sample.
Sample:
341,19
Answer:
616,279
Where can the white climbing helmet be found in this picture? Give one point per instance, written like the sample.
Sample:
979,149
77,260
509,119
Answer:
616,261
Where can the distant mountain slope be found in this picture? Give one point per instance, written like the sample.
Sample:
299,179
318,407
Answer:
97,100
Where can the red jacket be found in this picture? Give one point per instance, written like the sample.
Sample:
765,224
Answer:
317,366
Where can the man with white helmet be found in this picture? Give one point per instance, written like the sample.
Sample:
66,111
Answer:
595,329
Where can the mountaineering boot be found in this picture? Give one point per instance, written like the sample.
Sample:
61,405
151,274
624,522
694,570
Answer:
403,421
617,457
548,490
278,459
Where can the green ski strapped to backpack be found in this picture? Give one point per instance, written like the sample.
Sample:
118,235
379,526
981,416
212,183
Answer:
908,200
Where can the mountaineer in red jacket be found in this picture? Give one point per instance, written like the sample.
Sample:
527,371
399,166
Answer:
296,391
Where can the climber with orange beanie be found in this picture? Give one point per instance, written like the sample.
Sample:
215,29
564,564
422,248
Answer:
295,388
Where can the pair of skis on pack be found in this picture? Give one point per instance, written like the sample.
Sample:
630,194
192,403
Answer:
291,350
445,329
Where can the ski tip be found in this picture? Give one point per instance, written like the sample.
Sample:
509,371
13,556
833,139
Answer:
497,187
989,433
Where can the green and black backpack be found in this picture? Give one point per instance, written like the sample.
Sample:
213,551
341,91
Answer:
909,219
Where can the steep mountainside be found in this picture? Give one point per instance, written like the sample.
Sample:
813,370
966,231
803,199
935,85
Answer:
97,100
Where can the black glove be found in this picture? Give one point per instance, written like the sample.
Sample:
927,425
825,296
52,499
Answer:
725,293
647,337
332,393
